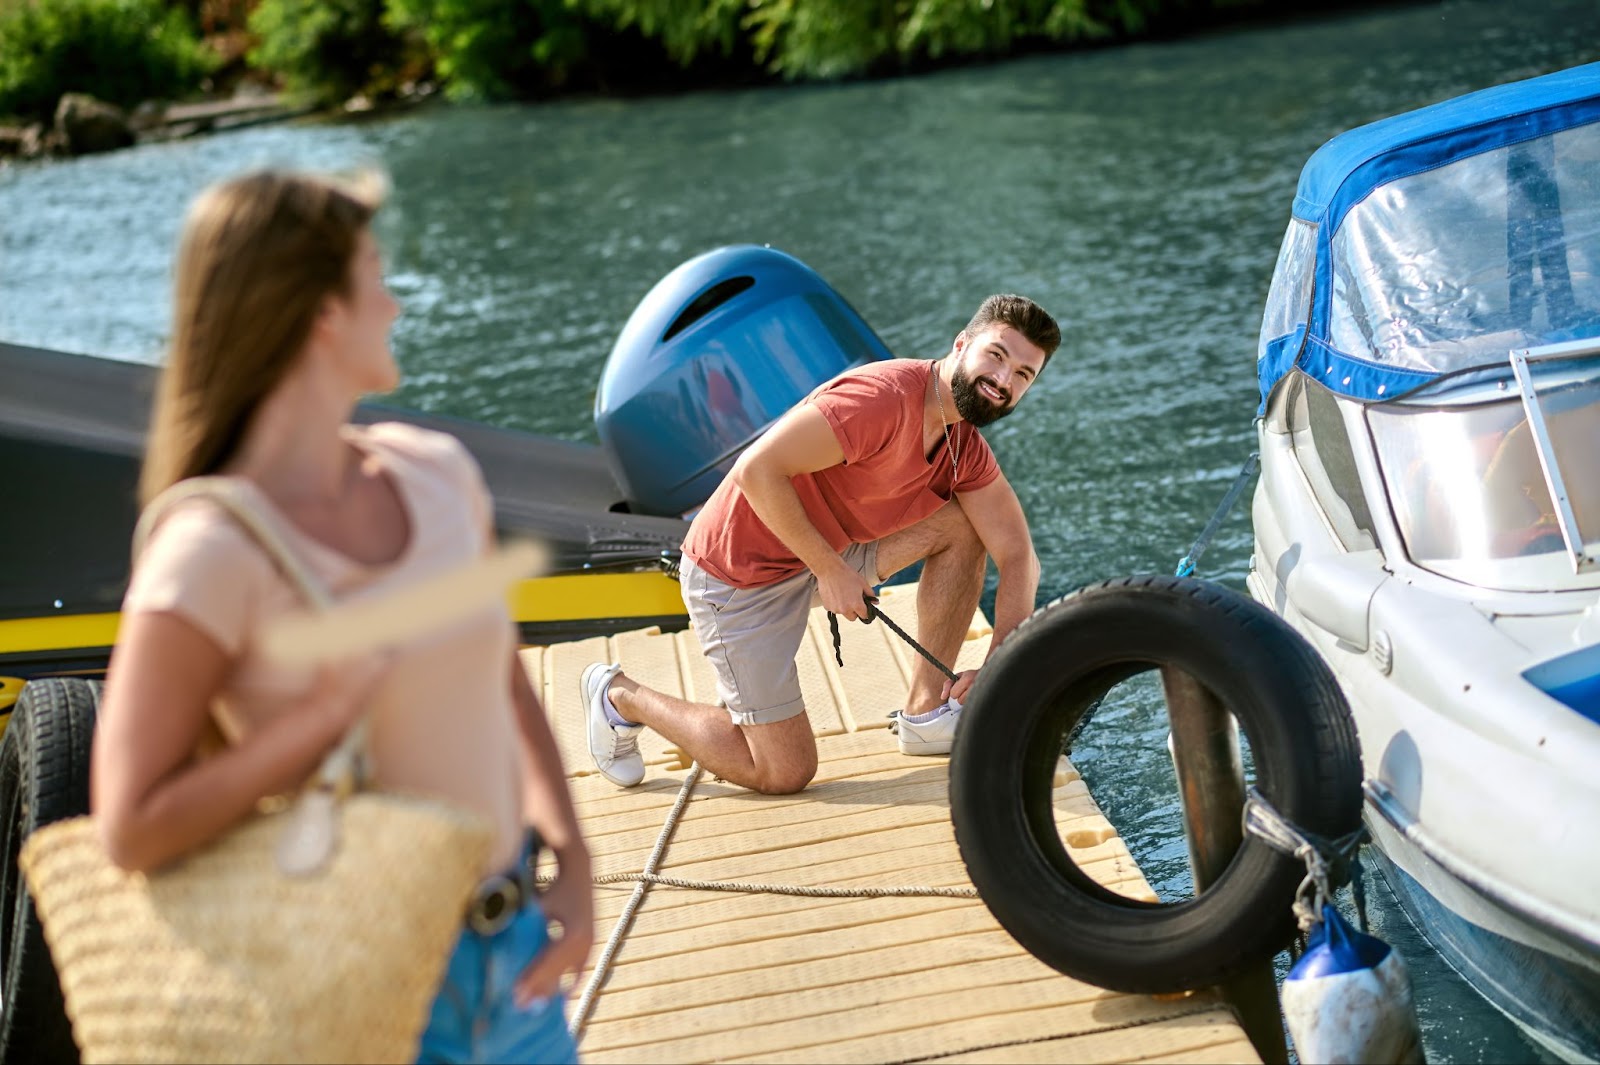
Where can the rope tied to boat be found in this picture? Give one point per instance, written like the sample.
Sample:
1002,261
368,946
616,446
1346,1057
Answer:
1329,862
1189,561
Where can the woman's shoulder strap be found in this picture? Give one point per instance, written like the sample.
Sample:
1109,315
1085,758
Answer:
234,498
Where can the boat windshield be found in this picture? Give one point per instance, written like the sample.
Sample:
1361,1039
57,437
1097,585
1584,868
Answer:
1465,482
1454,266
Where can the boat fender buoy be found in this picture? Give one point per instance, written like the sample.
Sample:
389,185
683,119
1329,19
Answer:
1348,999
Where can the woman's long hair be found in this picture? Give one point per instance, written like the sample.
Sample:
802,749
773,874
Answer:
258,256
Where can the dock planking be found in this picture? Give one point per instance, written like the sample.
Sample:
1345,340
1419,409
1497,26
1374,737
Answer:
701,975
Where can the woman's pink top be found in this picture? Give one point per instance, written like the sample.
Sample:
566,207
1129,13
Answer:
442,719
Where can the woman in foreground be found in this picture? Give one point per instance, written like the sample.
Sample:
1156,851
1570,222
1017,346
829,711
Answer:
281,325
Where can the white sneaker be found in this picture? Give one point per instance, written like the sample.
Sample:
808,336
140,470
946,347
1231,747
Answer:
929,737
615,748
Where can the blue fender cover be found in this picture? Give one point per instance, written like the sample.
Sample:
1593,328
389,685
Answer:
1348,998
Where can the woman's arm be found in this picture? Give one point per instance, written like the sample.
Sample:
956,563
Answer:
153,800
569,901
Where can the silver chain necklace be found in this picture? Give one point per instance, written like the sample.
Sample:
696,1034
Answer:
955,455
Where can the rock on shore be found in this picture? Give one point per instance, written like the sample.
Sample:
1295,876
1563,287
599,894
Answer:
84,124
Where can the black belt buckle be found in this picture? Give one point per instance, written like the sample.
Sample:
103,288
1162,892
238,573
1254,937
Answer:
497,901
501,897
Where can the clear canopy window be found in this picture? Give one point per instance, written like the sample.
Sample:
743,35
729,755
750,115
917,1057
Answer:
1289,298
1465,482
1455,266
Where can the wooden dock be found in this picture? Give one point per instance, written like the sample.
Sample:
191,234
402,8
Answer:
694,974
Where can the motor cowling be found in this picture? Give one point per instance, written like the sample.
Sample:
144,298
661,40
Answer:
712,356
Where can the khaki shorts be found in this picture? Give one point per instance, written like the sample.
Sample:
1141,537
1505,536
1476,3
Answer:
751,635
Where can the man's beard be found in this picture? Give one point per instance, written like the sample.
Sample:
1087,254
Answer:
973,405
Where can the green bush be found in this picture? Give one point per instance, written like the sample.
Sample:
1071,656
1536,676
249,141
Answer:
497,49
494,48
686,29
325,50
824,39
122,51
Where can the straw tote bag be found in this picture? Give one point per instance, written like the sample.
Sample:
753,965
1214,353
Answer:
316,933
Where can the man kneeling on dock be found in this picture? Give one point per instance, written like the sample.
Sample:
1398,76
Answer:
878,468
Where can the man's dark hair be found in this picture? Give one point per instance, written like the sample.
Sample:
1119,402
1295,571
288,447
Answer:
1021,314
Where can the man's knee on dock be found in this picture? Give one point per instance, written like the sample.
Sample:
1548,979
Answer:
783,756
783,780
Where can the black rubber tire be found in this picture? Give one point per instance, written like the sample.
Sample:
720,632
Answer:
1034,692
44,777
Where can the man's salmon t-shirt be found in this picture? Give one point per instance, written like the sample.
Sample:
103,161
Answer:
886,482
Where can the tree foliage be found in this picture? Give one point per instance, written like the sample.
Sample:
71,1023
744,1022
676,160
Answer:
126,50
326,50
686,29
121,51
832,38
494,48
499,48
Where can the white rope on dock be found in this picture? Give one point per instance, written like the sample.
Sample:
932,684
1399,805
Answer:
580,1014
1193,1011
644,880
793,889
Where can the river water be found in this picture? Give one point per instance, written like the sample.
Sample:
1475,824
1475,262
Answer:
1138,192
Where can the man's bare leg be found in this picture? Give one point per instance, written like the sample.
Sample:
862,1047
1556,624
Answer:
947,593
777,759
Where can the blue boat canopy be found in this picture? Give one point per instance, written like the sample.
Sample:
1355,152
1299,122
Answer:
1442,239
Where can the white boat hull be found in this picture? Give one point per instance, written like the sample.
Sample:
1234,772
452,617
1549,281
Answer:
1484,817
1519,967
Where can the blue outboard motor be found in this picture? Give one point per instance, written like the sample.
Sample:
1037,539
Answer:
721,347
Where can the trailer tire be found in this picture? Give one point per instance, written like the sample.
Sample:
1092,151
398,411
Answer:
44,777
1033,694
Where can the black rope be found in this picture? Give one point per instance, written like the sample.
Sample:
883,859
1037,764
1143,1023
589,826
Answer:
1188,562
1330,862
872,613
1358,889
